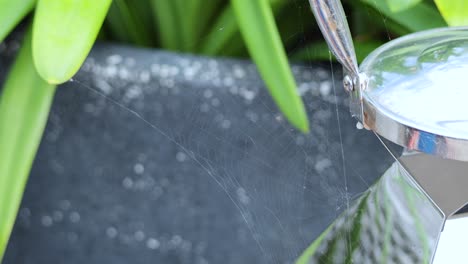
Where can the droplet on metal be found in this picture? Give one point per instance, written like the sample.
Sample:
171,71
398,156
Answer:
363,81
348,84
359,125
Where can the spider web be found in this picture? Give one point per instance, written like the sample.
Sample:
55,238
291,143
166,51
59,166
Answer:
182,159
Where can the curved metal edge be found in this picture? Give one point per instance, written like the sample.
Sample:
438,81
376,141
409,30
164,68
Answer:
413,138
405,38
404,135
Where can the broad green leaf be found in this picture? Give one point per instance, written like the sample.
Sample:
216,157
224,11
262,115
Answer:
222,33
24,107
189,15
200,16
455,12
320,51
126,25
400,5
257,25
225,32
419,17
179,13
11,13
371,24
166,24
63,33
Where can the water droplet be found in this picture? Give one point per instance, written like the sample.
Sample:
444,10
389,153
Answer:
238,72
242,195
138,168
139,235
181,156
325,88
322,164
75,217
105,87
152,243
226,124
114,59
112,232
359,125
127,183
46,220
145,76
176,240
57,216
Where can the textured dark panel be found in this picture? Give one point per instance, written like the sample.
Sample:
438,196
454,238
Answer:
151,157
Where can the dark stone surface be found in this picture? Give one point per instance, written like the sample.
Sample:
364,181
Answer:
151,157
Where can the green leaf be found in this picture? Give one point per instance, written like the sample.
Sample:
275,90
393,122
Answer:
125,24
24,108
63,33
11,13
222,33
295,24
185,12
225,32
420,17
257,25
306,256
193,17
200,17
400,5
166,23
455,12
320,51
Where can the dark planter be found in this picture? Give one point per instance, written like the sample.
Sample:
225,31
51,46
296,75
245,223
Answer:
156,157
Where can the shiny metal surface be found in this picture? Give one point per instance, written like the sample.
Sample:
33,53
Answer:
413,92
395,221
417,92
443,180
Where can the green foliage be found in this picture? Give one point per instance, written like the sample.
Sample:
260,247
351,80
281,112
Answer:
420,16
400,5
455,12
24,108
65,30
126,25
11,13
263,40
63,34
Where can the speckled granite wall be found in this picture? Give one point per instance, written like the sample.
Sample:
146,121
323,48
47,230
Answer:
151,157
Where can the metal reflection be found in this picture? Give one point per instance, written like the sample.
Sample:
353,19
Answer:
395,221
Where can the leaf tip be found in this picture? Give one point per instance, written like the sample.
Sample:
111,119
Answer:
300,122
53,81
304,127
